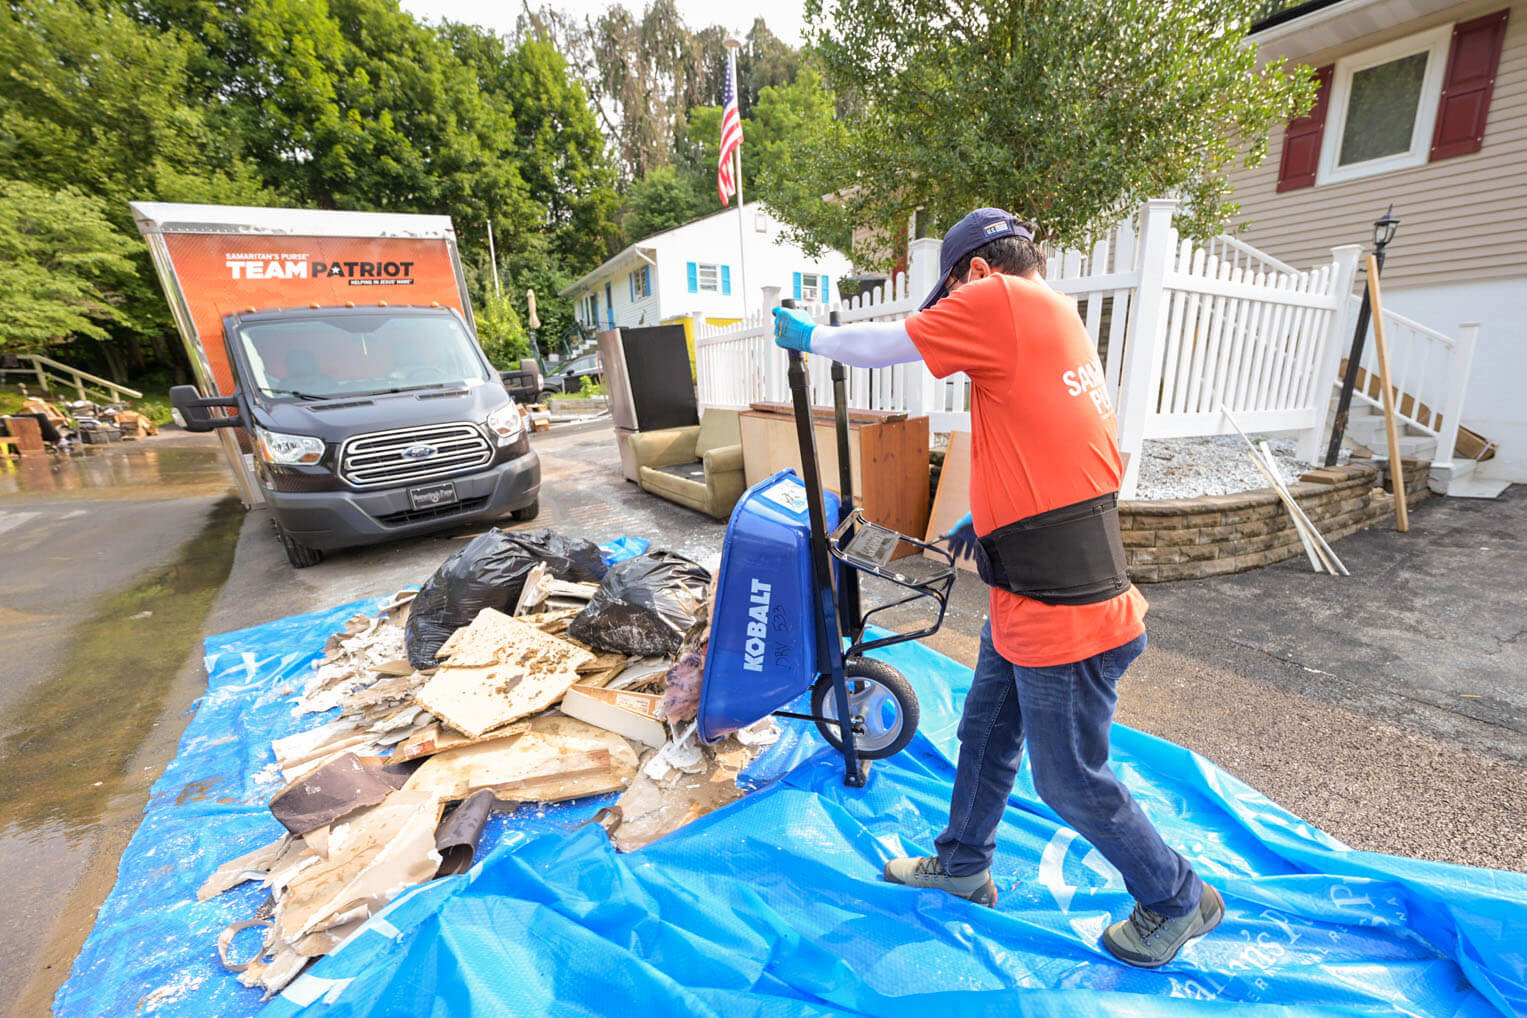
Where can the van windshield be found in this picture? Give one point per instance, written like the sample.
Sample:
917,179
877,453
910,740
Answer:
318,357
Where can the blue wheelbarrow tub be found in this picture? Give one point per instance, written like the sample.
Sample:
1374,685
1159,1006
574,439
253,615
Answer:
763,652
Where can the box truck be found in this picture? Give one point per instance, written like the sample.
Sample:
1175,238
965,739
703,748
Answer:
336,355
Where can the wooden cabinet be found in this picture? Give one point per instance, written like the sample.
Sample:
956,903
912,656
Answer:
888,457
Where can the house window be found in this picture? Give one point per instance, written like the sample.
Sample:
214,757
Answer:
810,290
1384,107
709,277
641,283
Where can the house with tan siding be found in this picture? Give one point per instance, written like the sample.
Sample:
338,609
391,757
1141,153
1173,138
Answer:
1423,104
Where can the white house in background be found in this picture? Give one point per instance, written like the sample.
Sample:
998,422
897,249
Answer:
1422,103
696,271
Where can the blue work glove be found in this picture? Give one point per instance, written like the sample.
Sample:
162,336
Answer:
793,329
962,538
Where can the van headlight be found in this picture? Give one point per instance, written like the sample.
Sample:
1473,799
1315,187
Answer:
287,449
506,424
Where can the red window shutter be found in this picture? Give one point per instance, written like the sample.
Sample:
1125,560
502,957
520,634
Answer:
1466,87
1301,142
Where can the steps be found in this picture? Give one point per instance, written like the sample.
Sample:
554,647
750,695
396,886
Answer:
1454,475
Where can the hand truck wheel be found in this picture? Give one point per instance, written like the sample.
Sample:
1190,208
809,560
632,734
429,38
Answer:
884,707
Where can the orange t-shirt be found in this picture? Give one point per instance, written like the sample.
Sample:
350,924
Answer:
1043,435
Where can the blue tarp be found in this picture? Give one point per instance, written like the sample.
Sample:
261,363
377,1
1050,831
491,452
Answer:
774,906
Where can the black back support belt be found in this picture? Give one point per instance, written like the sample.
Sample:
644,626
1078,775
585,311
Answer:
1070,555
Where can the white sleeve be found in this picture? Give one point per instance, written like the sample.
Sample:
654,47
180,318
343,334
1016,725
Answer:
865,344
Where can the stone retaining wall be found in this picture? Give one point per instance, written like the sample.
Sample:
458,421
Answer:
1186,539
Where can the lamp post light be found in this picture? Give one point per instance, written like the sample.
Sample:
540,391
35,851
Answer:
1383,232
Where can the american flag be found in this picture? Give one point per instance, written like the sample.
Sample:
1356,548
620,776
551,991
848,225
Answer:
731,137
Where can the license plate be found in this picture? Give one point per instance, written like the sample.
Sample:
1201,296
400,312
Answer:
431,495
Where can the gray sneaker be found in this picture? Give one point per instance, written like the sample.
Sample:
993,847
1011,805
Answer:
1149,939
928,872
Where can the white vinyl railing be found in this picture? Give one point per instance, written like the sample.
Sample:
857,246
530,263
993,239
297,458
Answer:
1428,372
1180,330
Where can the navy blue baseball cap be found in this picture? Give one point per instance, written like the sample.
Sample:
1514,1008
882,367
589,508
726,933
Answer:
969,233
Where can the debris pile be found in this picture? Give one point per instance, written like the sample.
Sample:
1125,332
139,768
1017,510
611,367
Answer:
514,708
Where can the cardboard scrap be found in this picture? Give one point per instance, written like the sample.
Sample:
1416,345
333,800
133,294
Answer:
501,670
636,716
558,758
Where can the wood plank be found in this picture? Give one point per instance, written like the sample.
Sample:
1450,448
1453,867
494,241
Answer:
826,413
895,476
953,500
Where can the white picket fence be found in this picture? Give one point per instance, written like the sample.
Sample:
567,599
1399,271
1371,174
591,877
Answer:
1180,329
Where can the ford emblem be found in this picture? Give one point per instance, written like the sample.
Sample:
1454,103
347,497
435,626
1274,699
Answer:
419,452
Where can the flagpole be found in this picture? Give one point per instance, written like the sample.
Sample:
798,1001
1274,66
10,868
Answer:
742,245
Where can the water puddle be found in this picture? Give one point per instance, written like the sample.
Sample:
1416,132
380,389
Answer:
69,739
175,467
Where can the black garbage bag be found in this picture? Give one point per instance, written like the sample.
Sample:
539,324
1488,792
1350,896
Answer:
490,573
645,605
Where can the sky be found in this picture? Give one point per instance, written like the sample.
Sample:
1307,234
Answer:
783,18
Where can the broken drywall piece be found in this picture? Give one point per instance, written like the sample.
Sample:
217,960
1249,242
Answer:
317,841
651,808
640,671
436,738
273,975
407,859
636,716
317,897
293,750
249,866
533,593
682,753
501,670
558,758
336,789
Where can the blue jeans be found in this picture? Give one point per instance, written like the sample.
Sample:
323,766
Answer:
1065,711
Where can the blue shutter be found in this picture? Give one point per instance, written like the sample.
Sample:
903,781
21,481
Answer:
609,304
631,285
694,278
797,286
822,294
646,281
726,280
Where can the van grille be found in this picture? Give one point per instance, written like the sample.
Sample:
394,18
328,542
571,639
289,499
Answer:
378,458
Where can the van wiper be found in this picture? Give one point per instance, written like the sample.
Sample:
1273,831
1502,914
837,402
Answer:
299,395
408,388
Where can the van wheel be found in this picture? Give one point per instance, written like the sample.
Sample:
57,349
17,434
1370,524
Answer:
297,553
530,512
884,707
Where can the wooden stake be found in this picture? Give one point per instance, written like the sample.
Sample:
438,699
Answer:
1381,351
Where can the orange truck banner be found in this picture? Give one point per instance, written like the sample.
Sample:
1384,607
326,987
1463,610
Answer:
220,273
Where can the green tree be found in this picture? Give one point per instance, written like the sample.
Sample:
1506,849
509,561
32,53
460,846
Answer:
557,143
62,266
502,332
1068,112
93,101
663,199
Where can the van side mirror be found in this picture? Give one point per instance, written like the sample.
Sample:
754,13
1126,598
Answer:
194,410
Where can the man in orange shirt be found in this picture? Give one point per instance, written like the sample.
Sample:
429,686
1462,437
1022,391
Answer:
1064,621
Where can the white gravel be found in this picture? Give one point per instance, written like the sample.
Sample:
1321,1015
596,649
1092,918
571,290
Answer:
1218,465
